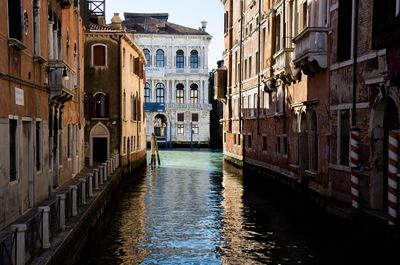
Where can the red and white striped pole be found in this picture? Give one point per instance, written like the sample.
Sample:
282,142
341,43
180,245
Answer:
392,176
354,163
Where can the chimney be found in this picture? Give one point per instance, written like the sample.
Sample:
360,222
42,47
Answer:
116,22
203,25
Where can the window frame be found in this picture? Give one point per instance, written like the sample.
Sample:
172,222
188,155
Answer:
105,54
147,56
160,62
146,92
180,59
194,94
194,59
160,89
180,93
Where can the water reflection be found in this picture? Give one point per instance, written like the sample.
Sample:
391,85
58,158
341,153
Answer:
195,210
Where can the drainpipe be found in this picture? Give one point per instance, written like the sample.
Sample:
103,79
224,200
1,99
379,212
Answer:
259,67
355,51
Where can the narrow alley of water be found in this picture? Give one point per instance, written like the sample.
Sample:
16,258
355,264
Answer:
194,209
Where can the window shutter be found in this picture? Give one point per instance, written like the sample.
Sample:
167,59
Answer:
106,105
99,55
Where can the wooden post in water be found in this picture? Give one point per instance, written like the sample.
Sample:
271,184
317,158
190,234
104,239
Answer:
153,149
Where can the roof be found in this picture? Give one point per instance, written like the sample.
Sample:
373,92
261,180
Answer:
151,23
96,27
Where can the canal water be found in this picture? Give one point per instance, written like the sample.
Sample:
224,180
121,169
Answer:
194,209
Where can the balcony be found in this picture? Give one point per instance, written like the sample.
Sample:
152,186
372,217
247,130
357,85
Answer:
311,49
154,107
62,81
205,106
64,4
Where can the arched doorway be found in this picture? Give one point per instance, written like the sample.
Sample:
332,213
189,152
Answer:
385,118
99,144
303,146
160,126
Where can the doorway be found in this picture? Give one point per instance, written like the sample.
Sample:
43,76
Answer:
303,146
27,172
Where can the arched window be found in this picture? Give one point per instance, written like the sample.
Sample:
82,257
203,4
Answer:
160,58
194,59
179,93
193,94
147,56
147,92
180,59
160,93
99,55
99,105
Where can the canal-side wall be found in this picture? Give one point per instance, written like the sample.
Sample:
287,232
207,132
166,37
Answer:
76,238
364,218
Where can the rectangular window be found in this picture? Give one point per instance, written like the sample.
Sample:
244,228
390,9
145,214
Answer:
69,139
278,145
13,149
124,146
38,146
245,68
195,117
234,138
180,116
344,137
238,138
14,19
304,11
250,66
284,145
179,96
236,68
264,143
248,142
277,33
224,137
344,30
99,55
257,63
180,128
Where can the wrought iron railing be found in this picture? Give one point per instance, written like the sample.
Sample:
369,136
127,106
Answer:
33,235
7,244
54,216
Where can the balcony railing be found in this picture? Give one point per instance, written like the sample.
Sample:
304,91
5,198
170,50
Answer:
188,105
311,47
57,84
154,107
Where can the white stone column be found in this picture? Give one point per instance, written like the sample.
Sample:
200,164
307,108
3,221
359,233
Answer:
90,179
74,199
105,171
187,92
96,178
45,225
50,40
101,175
61,198
19,257
83,190
55,45
152,91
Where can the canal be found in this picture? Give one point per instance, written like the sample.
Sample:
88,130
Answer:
195,209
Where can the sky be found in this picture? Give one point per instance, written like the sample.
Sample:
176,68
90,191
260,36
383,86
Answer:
187,13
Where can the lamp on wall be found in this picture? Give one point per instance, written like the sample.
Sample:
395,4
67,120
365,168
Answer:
65,76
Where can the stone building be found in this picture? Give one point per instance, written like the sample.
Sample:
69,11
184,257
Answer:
114,87
301,78
41,101
177,107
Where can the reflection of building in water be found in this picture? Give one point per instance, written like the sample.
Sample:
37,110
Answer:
238,240
176,90
132,224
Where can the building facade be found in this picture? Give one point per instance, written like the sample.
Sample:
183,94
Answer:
177,107
41,102
114,87
311,92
